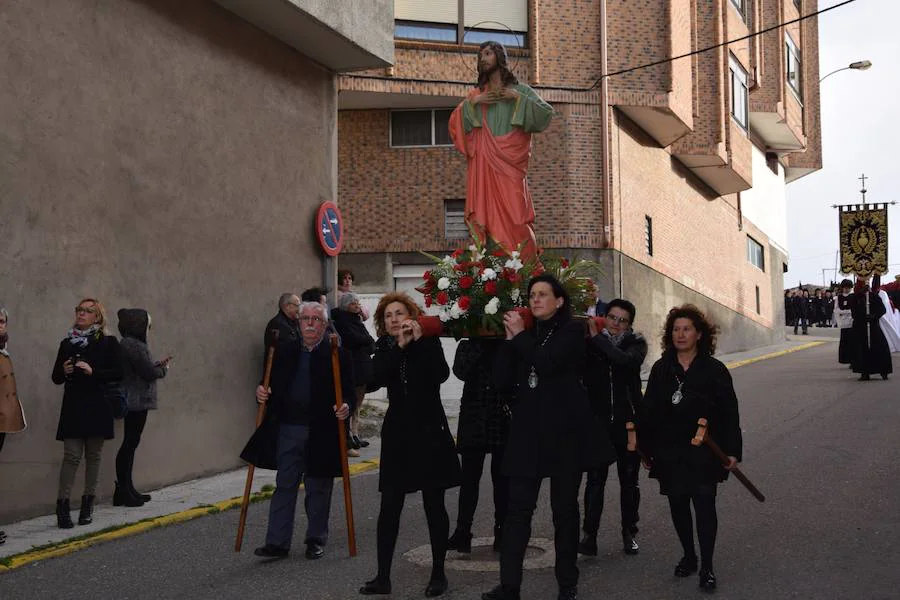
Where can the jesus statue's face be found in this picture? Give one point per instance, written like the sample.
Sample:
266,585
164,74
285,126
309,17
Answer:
487,60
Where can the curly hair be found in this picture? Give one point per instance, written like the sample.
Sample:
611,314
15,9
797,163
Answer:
708,330
402,298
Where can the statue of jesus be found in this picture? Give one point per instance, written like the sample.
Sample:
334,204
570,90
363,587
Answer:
493,128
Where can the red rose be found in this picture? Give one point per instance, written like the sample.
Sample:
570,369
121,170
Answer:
464,302
500,252
564,263
459,267
537,270
443,298
465,282
457,253
511,275
427,301
491,288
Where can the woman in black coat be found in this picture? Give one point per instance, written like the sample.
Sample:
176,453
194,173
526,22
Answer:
355,338
87,361
687,383
844,317
417,450
483,426
551,432
871,352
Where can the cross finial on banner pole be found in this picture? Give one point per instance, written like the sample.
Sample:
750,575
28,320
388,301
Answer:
863,190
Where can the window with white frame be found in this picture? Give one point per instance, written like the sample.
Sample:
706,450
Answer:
467,22
412,128
739,95
455,220
756,254
793,64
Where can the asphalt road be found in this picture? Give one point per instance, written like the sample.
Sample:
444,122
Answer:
820,445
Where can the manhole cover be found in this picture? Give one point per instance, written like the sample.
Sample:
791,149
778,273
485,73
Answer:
538,555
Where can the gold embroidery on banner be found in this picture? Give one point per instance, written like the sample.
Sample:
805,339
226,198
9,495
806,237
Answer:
864,241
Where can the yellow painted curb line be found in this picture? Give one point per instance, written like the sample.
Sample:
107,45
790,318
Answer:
68,547
748,361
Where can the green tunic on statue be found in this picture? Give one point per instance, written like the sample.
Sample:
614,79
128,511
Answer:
528,112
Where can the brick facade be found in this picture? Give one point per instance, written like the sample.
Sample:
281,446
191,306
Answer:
687,183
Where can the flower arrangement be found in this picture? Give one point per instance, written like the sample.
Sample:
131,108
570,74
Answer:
473,287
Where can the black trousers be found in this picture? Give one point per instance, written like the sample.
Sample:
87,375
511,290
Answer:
2,439
389,526
472,468
628,465
707,524
134,427
523,494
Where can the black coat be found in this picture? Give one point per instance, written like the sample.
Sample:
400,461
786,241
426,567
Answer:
417,451
552,429
483,412
667,429
322,458
801,307
847,345
871,353
288,331
356,339
613,381
85,410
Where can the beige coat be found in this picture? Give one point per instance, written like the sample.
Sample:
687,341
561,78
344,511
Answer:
12,419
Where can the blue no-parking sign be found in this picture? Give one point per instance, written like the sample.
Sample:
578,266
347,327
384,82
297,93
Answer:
330,228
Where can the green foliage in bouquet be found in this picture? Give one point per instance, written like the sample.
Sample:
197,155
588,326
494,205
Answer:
473,287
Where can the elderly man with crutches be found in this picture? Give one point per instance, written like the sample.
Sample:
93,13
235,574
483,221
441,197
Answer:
299,435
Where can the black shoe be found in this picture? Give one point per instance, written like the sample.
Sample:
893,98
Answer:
63,518
270,551
588,545
461,542
707,580
122,497
501,593
352,442
375,587
864,377
86,515
884,376
2,537
436,587
568,594
629,544
498,538
137,494
686,566
314,551
358,443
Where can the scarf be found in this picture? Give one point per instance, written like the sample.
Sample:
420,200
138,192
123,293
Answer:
616,339
3,339
81,338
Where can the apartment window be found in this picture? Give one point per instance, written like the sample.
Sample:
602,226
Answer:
741,6
792,58
739,95
455,220
504,21
757,300
756,254
648,234
411,128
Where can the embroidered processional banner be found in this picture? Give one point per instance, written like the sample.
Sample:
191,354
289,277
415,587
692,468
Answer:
864,239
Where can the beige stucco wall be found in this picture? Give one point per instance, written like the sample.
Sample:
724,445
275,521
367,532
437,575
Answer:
160,154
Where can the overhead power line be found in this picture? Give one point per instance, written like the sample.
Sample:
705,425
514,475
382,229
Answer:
728,43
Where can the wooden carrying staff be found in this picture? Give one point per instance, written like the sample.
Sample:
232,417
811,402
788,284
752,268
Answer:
702,437
342,440
632,446
260,414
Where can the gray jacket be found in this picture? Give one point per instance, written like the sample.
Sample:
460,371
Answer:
141,371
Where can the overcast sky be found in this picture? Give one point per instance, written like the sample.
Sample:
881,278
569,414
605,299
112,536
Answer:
860,134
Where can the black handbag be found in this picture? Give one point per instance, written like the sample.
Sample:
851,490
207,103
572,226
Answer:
115,396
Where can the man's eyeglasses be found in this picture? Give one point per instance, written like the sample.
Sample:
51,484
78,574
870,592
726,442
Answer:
313,319
619,320
84,310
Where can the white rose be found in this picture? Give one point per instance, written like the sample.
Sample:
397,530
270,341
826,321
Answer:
488,275
443,283
455,311
514,264
514,294
492,306
444,315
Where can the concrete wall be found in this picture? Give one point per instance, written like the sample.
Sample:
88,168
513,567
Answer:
160,154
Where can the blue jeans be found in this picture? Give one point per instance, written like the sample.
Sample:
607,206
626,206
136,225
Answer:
292,440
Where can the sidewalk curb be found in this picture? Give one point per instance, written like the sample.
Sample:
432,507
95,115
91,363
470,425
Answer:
748,361
117,532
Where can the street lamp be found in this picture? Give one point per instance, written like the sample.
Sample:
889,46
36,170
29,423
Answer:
860,65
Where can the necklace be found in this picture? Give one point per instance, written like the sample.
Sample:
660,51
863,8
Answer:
533,376
677,396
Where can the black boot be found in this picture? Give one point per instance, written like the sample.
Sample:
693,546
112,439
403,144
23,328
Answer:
629,544
86,515
63,518
460,541
122,497
588,545
137,494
